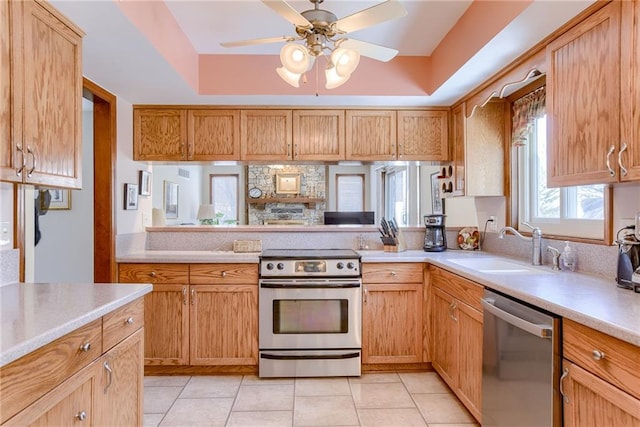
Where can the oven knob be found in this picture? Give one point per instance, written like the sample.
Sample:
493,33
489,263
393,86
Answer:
280,266
351,266
340,266
269,266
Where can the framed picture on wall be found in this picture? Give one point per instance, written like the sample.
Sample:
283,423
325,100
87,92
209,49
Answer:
144,182
130,197
287,183
170,199
60,199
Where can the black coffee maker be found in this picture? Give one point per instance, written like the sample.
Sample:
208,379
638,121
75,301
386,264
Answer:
435,238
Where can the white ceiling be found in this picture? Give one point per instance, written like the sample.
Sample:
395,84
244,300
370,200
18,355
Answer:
117,56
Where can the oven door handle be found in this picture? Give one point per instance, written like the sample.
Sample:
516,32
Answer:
309,286
310,356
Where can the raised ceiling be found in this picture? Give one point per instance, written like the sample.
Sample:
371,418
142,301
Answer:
154,52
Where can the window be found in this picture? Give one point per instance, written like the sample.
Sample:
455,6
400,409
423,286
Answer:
350,193
568,211
224,197
396,195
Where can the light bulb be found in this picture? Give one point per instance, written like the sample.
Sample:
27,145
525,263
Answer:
292,78
334,79
295,58
345,61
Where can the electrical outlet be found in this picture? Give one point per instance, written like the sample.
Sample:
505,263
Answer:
493,224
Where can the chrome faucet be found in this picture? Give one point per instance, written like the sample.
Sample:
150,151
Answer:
535,239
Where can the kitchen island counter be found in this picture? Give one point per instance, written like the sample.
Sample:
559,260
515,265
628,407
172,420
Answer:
36,314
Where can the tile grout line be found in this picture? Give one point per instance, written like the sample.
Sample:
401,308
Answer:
415,404
235,399
353,399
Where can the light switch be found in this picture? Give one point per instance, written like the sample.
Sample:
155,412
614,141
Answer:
5,233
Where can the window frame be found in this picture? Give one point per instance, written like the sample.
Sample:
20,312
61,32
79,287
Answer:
337,187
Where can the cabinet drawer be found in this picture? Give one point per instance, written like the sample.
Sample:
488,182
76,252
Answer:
462,289
407,272
620,365
30,377
153,273
208,274
121,323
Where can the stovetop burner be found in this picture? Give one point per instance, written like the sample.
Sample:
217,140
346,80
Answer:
310,253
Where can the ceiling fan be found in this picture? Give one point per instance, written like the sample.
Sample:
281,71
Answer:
323,32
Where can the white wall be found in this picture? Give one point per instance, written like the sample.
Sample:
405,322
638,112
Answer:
189,190
65,250
6,215
127,171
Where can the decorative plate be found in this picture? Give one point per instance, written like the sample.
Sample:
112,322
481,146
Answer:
468,238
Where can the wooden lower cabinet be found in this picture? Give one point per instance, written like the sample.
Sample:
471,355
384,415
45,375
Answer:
166,336
457,324
592,402
121,386
224,325
392,327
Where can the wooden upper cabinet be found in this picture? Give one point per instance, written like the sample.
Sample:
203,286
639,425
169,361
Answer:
41,118
318,135
371,135
583,101
458,138
266,134
423,135
629,158
159,134
213,134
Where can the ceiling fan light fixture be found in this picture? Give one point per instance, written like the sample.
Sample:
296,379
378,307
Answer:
292,78
334,79
345,61
295,58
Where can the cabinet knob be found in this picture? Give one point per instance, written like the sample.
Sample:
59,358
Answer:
223,274
393,273
152,274
129,321
82,415
597,355
85,347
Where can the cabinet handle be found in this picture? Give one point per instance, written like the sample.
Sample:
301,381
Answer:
33,165
24,162
454,306
451,311
182,150
288,149
109,376
597,355
152,274
565,373
365,295
85,347
129,321
609,153
193,296
622,150
81,416
184,295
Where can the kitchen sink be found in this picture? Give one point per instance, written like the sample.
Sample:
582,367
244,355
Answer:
496,266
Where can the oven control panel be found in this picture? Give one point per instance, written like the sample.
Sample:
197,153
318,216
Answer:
310,267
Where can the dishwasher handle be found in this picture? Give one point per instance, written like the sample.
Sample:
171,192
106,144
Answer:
542,331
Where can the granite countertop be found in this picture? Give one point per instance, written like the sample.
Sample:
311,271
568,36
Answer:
35,314
590,300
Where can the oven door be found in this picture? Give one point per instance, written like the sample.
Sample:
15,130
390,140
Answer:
310,314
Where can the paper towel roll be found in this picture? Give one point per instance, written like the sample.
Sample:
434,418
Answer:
157,218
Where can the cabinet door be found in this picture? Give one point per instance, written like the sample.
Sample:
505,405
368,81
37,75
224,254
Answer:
318,135
213,134
52,73
224,325
583,100
10,159
121,386
392,323
445,337
469,358
423,135
166,331
371,135
159,134
630,79
592,402
266,134
458,138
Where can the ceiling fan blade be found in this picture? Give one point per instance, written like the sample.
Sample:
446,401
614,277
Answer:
264,40
285,10
370,50
377,14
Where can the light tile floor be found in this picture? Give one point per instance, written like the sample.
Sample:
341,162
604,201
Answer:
386,400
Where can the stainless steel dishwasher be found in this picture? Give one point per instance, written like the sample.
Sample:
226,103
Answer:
520,365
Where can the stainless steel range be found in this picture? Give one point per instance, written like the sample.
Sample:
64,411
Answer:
310,307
